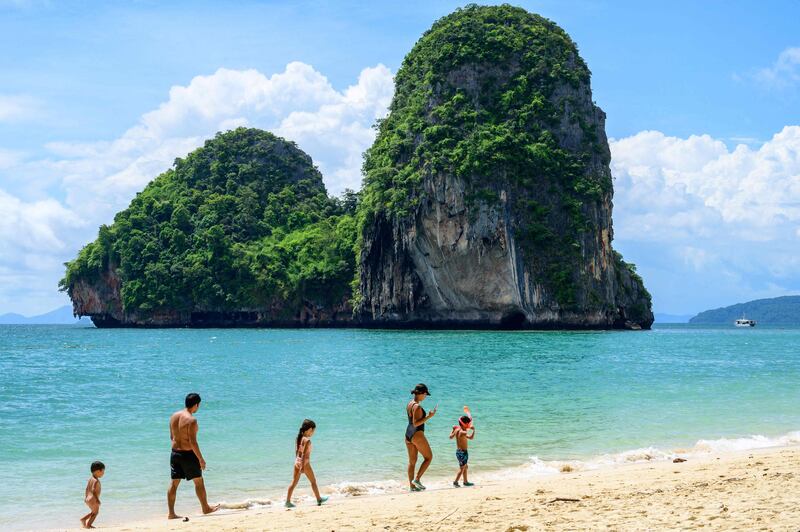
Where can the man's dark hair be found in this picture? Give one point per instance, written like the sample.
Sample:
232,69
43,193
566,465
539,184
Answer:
97,465
192,399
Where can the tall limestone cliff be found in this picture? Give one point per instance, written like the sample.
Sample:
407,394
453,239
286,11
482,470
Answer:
488,194
241,232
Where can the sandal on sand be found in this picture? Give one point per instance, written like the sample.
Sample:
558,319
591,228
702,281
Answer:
321,500
456,484
468,484
414,488
418,484
290,505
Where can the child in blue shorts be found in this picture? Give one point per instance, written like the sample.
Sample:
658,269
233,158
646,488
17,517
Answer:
461,433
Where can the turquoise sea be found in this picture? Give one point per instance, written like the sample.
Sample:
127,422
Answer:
71,395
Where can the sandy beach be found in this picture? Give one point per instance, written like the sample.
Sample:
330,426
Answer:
750,490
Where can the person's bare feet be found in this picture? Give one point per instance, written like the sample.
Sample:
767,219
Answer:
211,509
174,516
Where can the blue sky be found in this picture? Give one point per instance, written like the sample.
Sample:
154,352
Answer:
80,82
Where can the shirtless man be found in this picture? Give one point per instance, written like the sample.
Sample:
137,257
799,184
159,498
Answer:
186,460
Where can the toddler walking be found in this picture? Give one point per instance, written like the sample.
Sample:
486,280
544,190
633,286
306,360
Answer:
92,494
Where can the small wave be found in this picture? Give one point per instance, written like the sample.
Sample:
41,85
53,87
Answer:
245,505
538,467
357,489
756,441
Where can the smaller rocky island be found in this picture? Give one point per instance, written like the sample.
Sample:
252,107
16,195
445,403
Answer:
241,232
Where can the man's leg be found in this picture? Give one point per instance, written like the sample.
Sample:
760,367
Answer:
172,492
200,490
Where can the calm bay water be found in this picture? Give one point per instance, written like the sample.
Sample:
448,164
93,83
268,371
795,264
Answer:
71,395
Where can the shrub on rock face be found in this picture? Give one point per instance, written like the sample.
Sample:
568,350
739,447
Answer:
487,192
242,224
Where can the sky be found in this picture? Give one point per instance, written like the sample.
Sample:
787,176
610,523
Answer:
702,102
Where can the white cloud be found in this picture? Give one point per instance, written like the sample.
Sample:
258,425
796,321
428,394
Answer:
784,72
51,207
33,226
692,182
18,108
334,127
9,158
706,221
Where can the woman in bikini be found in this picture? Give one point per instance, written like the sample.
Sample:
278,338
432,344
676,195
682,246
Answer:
416,443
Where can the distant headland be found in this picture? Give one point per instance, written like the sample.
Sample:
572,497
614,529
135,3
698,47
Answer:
784,310
486,203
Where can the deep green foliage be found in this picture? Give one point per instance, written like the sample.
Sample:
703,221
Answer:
482,96
240,223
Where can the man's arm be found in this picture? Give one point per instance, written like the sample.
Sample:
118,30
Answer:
193,430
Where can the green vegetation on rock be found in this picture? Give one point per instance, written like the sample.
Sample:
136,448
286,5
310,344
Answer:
243,223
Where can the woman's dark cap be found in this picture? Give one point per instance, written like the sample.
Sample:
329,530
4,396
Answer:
420,389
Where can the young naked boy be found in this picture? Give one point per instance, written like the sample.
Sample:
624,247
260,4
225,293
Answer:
461,433
92,495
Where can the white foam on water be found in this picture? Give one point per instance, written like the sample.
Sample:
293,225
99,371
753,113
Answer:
538,467
245,504
357,489
756,441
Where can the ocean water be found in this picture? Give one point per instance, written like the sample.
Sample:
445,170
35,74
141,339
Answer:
71,395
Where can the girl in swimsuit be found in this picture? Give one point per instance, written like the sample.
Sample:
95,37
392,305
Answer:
416,443
302,462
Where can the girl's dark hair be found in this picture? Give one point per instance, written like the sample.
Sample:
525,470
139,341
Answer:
307,424
97,466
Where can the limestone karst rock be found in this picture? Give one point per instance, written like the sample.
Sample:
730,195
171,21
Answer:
488,193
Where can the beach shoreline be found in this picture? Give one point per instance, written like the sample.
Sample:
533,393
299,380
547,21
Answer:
746,489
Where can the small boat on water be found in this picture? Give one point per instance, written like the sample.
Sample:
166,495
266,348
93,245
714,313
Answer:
744,322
